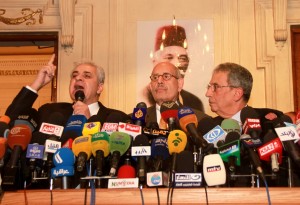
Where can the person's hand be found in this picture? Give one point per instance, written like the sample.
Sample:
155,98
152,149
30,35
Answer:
81,108
45,75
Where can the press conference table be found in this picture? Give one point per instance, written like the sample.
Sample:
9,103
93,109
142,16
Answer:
180,196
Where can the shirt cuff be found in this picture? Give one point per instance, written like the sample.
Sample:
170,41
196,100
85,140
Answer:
29,88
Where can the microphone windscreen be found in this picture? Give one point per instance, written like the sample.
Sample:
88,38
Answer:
126,171
19,135
28,117
169,110
232,136
205,125
248,112
177,141
75,123
140,140
5,119
100,141
141,105
214,170
3,145
82,144
185,162
159,147
230,125
63,157
79,95
186,116
120,142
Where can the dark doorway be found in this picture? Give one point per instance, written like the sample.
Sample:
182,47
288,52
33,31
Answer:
295,47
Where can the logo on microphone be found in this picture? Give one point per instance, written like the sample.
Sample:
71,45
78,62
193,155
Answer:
139,114
216,168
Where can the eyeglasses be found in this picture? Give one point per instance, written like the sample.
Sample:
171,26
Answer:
215,86
165,76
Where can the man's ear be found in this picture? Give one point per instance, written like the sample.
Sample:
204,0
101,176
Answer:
100,88
180,84
239,93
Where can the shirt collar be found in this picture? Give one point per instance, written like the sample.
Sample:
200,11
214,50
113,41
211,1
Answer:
94,108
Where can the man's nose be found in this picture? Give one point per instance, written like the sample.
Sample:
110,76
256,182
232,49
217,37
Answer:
78,78
208,92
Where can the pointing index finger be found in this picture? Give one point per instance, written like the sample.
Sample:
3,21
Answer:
51,59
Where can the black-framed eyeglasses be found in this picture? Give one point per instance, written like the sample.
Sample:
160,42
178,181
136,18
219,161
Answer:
215,86
165,76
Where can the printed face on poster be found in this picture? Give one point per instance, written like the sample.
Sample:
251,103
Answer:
196,41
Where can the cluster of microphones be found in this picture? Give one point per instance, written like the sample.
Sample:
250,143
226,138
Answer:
191,152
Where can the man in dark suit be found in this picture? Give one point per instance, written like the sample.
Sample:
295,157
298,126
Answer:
228,93
166,84
86,77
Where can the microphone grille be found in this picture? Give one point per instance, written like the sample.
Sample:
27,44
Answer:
79,95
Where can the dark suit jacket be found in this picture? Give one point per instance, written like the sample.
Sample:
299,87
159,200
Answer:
25,99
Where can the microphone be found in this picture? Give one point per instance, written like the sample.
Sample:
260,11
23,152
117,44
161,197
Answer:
140,148
230,150
139,114
119,143
288,136
82,149
189,123
169,113
29,118
17,140
74,127
214,171
3,146
34,151
250,143
159,152
100,150
90,128
4,125
251,122
177,141
126,171
63,160
231,125
79,96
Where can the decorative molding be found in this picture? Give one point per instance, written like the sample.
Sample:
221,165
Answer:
67,14
28,17
279,18
264,61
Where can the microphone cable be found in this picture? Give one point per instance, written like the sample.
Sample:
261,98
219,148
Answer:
142,195
267,189
158,198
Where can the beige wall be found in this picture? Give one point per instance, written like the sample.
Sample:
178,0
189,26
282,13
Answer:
105,31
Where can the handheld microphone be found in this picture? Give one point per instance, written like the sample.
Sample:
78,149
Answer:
63,160
251,122
214,171
100,150
119,143
169,113
188,123
79,96
34,151
139,114
82,149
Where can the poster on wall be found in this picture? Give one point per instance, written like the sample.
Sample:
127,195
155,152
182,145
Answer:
188,44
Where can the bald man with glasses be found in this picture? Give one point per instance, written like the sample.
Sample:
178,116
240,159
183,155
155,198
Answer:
166,84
